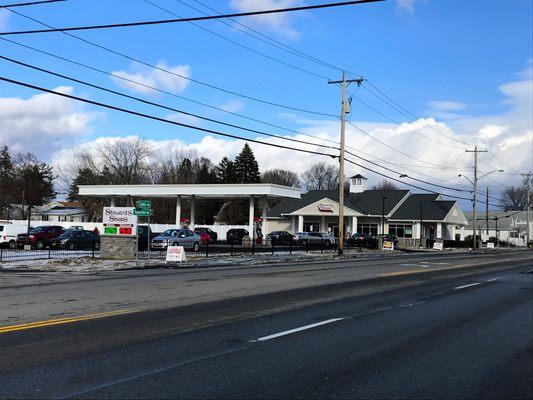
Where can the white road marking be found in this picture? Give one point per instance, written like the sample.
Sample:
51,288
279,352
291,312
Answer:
415,265
495,279
465,286
302,328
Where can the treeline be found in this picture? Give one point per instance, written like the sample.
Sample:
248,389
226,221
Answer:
24,180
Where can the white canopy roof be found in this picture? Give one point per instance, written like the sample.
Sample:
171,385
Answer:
214,191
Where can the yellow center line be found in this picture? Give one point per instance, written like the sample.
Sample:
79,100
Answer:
51,322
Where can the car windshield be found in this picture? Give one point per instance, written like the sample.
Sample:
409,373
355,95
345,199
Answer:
168,232
67,234
36,230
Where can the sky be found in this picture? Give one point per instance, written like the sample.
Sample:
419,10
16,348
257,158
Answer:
459,73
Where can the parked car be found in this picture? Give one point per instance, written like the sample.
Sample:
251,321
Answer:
145,236
280,237
235,235
209,231
204,237
76,239
386,238
317,238
8,234
39,237
359,239
176,237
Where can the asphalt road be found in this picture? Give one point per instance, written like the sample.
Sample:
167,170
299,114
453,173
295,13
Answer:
425,327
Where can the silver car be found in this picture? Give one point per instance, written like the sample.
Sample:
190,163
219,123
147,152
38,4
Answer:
316,238
176,237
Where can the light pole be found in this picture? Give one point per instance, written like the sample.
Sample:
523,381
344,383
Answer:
474,184
383,215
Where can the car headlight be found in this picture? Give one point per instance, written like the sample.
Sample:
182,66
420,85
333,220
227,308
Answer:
31,237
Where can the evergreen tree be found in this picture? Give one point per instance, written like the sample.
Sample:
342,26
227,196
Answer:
226,171
6,179
86,176
246,166
185,174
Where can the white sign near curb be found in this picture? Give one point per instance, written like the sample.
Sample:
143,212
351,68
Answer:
438,246
175,254
490,245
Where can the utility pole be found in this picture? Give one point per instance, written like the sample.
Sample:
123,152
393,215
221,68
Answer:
487,212
528,209
475,151
345,109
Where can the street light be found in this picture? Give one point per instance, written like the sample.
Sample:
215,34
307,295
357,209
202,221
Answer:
474,184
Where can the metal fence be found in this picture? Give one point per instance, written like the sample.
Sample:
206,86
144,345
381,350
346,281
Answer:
48,254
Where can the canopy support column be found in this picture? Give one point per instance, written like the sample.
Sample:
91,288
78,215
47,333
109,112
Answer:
251,217
264,218
178,210
193,212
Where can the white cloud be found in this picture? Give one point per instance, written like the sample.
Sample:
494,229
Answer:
184,119
155,78
233,106
42,123
407,5
280,23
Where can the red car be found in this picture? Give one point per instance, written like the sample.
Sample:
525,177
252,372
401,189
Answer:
204,237
39,237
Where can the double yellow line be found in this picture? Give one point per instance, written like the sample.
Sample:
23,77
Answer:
51,322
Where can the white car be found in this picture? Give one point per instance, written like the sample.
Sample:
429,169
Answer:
8,234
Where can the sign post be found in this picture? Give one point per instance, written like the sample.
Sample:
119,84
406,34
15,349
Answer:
144,209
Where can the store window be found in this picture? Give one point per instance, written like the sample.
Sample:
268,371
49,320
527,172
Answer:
371,229
311,227
401,231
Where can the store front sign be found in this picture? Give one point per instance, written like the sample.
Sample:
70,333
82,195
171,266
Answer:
326,208
119,221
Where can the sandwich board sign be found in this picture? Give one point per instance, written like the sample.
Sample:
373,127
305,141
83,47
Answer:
175,254
438,246
490,245
389,246
119,221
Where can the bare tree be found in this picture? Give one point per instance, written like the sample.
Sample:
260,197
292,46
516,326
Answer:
280,177
127,159
385,185
515,197
321,176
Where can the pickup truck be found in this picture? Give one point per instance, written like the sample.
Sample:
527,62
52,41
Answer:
145,236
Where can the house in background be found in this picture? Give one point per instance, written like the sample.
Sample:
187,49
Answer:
511,226
63,211
412,218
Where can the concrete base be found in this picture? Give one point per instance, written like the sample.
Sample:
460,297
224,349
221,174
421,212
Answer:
118,247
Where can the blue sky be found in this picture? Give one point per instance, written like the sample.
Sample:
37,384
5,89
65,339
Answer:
445,59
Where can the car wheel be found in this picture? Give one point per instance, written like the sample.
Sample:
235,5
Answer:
196,247
71,246
12,245
327,243
40,245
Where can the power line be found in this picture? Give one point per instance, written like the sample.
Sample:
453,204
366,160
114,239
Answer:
167,92
415,186
152,117
210,119
31,3
189,19
399,124
219,133
391,147
261,36
206,84
157,104
240,44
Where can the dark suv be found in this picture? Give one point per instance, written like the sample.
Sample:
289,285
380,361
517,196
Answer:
236,235
39,237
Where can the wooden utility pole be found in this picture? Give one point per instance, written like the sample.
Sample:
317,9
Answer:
475,151
345,109
487,212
